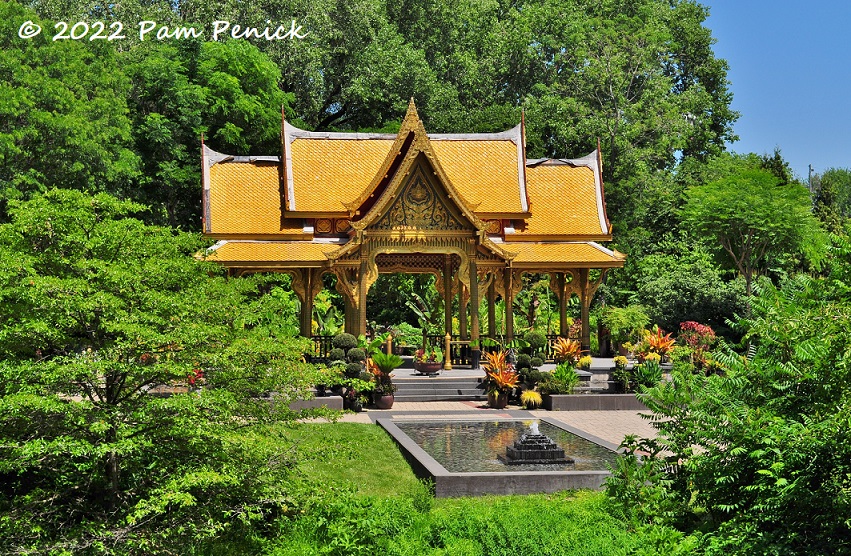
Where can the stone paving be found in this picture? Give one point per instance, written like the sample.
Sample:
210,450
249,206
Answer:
610,426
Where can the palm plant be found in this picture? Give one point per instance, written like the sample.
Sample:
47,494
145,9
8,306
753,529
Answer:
381,365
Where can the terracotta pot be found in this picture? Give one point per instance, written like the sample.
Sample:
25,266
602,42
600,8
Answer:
428,368
384,402
497,401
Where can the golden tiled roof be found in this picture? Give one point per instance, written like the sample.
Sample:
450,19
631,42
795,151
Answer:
484,172
279,253
245,200
563,201
563,254
329,172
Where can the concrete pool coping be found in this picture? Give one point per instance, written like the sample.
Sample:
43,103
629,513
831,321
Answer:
448,484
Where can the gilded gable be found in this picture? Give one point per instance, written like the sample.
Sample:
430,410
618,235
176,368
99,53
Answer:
420,206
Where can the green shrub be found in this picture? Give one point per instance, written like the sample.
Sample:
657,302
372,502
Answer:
337,354
533,377
563,380
353,370
356,355
537,341
536,362
344,341
523,362
648,374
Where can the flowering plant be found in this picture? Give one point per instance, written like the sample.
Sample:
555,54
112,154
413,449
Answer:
433,355
500,376
567,351
620,362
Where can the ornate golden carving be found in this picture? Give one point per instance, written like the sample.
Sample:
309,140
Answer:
342,226
419,207
323,226
493,226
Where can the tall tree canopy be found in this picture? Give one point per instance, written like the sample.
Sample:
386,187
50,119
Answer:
756,219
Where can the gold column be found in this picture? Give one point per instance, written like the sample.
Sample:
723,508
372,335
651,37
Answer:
585,296
447,293
474,302
492,309
463,302
362,289
509,304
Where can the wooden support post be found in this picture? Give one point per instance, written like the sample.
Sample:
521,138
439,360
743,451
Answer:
509,305
586,293
447,352
390,344
474,303
492,309
361,318
447,292
463,303
563,295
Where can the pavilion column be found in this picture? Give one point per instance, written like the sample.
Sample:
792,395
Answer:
349,315
463,303
586,293
492,309
509,304
563,296
306,284
362,289
474,302
447,293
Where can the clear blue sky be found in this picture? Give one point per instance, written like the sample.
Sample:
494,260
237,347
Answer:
790,74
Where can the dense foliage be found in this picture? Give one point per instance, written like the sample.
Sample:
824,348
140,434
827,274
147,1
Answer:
127,369
755,460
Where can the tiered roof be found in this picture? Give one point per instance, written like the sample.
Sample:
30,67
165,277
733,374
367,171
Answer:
303,208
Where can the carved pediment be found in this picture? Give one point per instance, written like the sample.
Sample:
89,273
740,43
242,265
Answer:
420,206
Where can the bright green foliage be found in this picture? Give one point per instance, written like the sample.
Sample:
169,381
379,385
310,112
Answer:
181,89
98,311
688,285
832,192
756,219
758,457
63,114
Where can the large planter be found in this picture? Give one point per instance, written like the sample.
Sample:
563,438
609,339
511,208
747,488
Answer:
428,368
497,401
384,402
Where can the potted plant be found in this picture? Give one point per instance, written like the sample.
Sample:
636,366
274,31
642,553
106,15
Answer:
428,361
355,391
500,378
381,365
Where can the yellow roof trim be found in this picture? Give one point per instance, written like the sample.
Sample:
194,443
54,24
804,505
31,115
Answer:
281,254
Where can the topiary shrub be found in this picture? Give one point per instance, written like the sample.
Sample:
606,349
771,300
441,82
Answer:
532,377
344,341
356,355
537,362
537,341
353,370
523,362
337,354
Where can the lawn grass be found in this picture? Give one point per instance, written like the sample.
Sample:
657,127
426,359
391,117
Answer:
380,508
362,457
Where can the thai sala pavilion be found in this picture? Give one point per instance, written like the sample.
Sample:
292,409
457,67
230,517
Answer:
468,208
